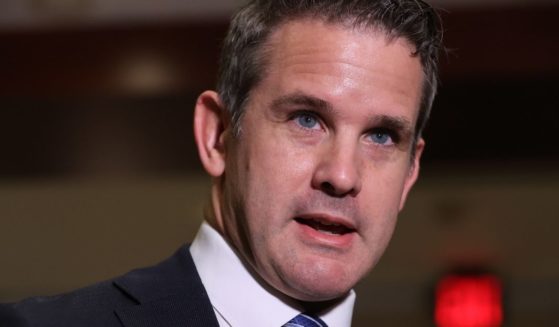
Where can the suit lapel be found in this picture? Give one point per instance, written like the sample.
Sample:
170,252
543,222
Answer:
169,294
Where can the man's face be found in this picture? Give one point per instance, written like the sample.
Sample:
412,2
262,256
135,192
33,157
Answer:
313,184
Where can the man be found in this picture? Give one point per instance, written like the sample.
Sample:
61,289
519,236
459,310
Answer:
313,142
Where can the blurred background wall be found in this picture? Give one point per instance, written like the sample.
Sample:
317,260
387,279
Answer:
98,171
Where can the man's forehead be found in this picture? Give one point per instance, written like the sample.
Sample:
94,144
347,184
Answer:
294,27
327,53
320,40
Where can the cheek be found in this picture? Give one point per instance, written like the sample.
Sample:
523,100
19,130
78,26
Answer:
380,200
280,165
272,183
385,181
273,176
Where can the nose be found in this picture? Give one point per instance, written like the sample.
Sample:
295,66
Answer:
337,172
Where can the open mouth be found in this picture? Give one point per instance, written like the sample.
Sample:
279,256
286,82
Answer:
325,226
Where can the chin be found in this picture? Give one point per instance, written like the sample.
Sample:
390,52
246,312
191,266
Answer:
317,293
318,285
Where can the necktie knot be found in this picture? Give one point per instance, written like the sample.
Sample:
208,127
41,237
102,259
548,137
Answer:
305,320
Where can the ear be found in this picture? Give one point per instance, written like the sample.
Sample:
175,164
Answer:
209,132
413,172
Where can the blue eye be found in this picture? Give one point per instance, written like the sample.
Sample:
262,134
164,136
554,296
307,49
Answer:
306,121
381,138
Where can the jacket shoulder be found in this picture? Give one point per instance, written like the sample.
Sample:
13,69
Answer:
90,306
160,292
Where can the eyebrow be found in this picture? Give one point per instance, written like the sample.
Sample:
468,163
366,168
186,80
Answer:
304,100
395,123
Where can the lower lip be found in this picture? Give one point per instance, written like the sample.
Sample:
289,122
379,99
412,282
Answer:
339,241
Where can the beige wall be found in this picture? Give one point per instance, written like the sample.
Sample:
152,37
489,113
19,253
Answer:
57,235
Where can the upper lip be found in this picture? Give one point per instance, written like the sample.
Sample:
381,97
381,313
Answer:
328,219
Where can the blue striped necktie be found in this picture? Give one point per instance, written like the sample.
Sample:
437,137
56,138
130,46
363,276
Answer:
305,320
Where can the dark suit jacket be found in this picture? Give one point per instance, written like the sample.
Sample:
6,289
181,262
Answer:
168,294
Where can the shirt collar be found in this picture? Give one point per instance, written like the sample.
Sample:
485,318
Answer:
238,295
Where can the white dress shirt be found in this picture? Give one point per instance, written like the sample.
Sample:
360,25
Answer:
238,298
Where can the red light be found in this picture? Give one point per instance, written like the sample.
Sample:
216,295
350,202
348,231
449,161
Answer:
469,301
